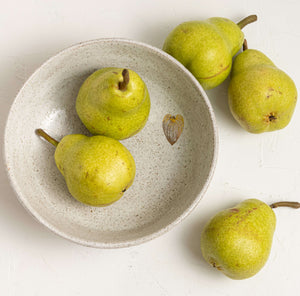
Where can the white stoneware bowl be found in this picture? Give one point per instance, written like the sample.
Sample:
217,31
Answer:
170,180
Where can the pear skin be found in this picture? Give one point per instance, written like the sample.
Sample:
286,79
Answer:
261,97
113,102
237,241
98,170
206,47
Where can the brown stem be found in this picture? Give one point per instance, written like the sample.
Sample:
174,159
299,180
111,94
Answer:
291,204
247,20
245,45
44,135
123,84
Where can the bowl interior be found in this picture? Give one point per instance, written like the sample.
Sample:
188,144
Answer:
169,179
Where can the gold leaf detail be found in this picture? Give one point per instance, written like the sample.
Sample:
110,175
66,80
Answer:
173,127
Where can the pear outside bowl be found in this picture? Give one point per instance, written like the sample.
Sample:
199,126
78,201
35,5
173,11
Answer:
170,180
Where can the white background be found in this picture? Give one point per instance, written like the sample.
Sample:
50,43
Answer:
34,261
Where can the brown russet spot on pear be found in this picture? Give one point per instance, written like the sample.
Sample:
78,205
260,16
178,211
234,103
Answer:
234,210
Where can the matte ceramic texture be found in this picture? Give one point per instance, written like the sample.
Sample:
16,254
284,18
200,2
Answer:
170,180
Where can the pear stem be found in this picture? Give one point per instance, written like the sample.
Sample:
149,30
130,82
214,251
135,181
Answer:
245,45
290,204
247,20
44,135
123,84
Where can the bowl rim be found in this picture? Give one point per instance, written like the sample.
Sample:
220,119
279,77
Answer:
90,243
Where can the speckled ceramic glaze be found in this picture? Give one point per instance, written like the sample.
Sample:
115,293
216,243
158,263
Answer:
170,180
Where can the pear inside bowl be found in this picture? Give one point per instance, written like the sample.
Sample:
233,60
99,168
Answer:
170,180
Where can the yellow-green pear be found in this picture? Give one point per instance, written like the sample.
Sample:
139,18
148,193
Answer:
206,47
113,102
237,241
261,97
97,170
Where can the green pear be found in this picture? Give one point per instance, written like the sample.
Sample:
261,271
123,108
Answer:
97,170
113,102
238,240
261,97
206,47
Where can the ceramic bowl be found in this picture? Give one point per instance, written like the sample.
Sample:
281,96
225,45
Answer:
170,180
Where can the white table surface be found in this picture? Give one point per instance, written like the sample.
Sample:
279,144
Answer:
34,261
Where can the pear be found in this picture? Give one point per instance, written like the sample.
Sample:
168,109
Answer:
238,240
206,47
97,170
261,97
113,102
